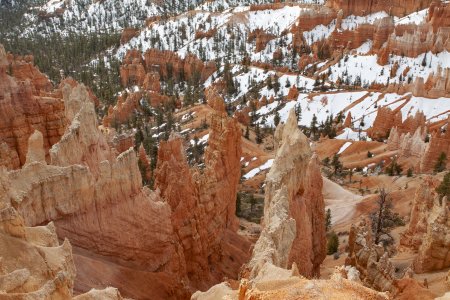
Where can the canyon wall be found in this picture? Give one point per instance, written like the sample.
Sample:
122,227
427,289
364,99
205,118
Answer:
413,150
204,202
397,8
428,230
33,264
26,104
184,234
293,234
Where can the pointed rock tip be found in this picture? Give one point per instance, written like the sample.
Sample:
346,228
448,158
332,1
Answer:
36,152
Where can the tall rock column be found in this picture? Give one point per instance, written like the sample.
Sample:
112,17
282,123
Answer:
294,220
428,231
203,202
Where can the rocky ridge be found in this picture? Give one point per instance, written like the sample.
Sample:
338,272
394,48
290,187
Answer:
96,199
293,222
428,229
28,103
294,208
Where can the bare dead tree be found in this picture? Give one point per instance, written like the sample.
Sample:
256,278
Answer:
383,218
381,206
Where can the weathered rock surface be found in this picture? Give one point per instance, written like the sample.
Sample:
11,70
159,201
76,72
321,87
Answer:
132,71
439,143
278,283
26,107
370,260
127,34
384,121
204,203
294,208
32,263
184,234
361,8
428,230
169,65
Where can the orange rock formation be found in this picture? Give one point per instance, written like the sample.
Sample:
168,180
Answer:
26,105
361,8
183,234
428,230
294,208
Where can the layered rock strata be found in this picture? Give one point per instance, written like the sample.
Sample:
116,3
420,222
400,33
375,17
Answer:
428,229
369,259
26,106
33,265
293,234
293,229
184,234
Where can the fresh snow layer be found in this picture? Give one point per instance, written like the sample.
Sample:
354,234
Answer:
349,134
414,18
255,171
344,147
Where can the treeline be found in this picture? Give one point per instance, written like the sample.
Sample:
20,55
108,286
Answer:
76,55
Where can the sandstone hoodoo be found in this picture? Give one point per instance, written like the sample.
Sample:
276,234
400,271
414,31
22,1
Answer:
294,209
428,230
102,207
27,105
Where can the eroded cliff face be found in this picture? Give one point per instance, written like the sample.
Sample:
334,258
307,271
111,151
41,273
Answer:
184,232
26,105
95,197
428,230
294,226
360,8
413,151
33,264
170,65
144,73
203,202
293,233
370,259
439,143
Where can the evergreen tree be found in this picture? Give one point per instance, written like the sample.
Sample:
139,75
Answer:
258,134
332,243
238,204
298,112
409,173
441,163
276,119
313,126
336,164
444,188
328,220
276,84
247,133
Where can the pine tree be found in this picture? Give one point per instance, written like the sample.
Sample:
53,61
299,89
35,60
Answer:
332,243
424,60
313,126
276,84
336,163
298,112
383,218
258,138
247,133
441,163
276,119
444,188
238,204
328,219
